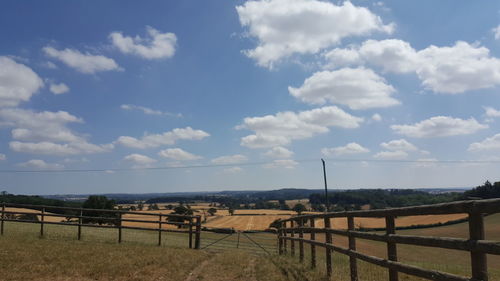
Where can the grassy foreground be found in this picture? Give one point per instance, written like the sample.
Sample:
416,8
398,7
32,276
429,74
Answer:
59,256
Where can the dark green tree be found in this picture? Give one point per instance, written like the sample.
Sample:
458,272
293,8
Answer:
212,211
299,208
101,203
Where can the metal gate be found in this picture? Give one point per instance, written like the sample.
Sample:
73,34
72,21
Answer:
225,239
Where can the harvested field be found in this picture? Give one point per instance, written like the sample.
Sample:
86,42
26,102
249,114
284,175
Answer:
46,218
244,222
341,223
263,222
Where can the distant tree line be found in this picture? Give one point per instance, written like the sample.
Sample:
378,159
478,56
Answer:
485,191
379,199
38,200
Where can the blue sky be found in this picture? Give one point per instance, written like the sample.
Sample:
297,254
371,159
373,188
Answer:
392,93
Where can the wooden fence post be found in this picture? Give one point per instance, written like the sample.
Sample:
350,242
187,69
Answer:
159,230
197,242
479,263
80,225
190,233
280,239
352,247
292,242
120,228
285,242
301,243
41,222
392,252
313,247
3,217
328,239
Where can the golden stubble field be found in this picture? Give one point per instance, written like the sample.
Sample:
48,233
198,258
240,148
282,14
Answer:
257,219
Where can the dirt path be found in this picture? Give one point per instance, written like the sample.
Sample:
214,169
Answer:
250,270
195,274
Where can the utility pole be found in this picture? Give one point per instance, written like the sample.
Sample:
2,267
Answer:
326,186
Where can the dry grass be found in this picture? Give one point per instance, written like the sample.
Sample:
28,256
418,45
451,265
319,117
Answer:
58,256
46,218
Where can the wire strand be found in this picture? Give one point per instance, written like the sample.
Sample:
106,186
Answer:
334,160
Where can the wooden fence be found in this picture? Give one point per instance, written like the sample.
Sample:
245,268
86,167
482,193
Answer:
80,217
293,230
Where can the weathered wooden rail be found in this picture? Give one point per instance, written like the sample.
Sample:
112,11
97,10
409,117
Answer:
476,244
103,219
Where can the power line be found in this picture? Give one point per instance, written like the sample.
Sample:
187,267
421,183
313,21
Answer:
333,160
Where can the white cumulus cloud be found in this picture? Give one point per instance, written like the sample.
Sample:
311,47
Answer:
496,32
350,148
47,133
167,138
391,155
230,159
178,154
439,126
357,88
279,152
447,70
156,45
139,160
376,117
84,63
282,128
400,144
58,89
17,82
233,170
3,157
41,165
149,111
491,143
282,163
286,27
491,112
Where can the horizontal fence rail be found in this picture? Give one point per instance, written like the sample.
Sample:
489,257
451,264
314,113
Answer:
101,218
476,244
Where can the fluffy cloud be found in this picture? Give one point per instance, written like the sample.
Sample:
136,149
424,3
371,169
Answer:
358,88
148,111
282,128
496,32
376,117
46,132
3,157
233,170
391,155
178,154
448,70
157,45
84,63
230,159
41,165
286,27
439,126
139,160
338,57
491,143
167,138
58,89
350,148
17,82
491,112
400,144
457,69
282,163
279,152
57,149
